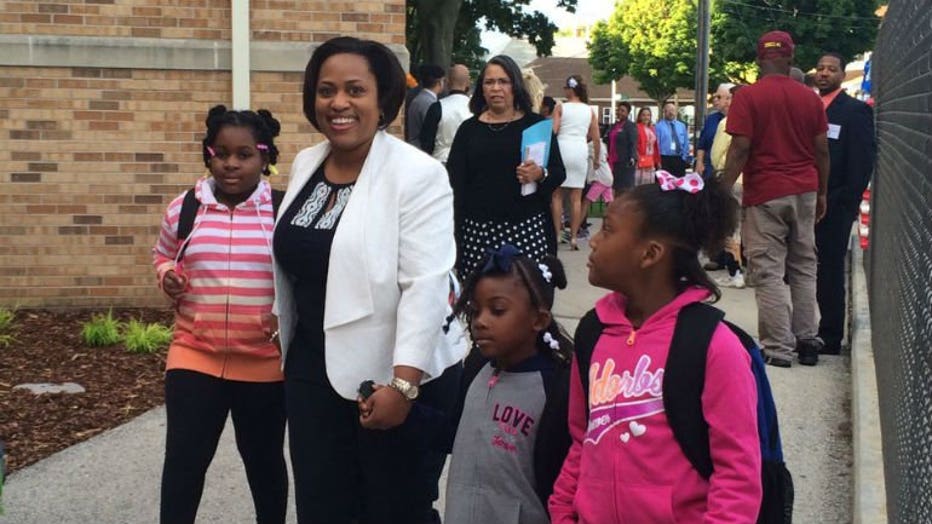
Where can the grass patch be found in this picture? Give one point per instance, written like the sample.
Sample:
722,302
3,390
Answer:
139,337
102,330
6,326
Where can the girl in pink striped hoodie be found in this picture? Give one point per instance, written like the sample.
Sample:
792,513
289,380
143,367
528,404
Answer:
624,465
224,357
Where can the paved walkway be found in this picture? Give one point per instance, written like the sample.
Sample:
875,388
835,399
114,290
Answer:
114,477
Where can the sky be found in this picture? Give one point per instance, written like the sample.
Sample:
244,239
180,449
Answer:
587,12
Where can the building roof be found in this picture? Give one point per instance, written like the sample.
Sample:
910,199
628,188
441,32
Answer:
553,72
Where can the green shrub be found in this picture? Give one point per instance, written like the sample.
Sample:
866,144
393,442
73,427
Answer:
102,330
6,326
140,337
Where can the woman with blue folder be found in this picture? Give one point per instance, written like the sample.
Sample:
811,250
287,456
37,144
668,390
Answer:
500,193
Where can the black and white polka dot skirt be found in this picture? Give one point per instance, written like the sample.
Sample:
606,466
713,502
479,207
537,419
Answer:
533,236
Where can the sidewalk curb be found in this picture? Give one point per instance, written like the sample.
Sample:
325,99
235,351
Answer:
870,503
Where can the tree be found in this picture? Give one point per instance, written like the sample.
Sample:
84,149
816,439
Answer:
443,31
654,41
845,26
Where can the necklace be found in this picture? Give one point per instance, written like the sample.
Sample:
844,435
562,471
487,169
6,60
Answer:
495,127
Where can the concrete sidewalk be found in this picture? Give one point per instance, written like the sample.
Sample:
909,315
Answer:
114,477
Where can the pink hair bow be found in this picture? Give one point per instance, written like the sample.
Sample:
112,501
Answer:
691,183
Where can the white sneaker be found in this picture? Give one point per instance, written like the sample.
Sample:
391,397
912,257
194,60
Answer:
736,281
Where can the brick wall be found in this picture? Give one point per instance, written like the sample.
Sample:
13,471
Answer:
275,20
901,255
92,155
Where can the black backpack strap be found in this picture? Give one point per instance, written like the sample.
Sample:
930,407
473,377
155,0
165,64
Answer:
587,334
277,196
684,379
553,433
186,216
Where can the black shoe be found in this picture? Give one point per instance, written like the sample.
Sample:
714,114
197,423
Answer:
831,349
808,351
778,362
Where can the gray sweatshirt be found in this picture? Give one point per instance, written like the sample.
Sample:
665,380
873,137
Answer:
491,479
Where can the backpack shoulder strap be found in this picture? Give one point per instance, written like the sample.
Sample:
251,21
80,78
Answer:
186,217
587,334
768,426
684,379
277,196
553,434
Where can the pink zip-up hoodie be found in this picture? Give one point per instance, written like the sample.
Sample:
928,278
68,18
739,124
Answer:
624,465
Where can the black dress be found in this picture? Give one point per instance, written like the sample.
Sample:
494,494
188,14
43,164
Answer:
489,209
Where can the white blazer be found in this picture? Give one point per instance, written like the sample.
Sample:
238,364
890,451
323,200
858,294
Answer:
388,287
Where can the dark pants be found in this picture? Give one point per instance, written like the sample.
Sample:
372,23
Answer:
346,474
623,176
675,165
832,236
197,406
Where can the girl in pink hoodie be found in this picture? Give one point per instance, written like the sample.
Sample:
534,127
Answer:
624,465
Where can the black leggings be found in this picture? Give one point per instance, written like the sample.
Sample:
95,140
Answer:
197,405
346,474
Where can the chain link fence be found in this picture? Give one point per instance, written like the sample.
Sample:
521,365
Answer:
900,259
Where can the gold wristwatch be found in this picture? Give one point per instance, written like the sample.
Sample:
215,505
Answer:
407,389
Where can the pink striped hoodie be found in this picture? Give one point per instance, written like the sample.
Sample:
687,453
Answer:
221,320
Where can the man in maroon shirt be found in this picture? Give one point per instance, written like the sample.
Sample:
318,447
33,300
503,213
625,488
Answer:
778,129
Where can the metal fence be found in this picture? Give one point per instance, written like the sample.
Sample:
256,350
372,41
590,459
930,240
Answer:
900,268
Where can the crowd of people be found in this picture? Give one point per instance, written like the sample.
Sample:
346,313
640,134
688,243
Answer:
394,305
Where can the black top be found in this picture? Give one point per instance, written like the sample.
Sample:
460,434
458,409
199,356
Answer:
302,243
852,152
626,144
482,164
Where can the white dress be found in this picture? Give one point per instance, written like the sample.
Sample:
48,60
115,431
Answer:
574,130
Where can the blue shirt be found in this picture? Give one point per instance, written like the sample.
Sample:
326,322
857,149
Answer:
672,138
706,137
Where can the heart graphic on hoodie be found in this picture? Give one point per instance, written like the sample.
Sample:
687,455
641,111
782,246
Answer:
625,437
637,429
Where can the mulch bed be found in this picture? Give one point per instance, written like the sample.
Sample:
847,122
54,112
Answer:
48,348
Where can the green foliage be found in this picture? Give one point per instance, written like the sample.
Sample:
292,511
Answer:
845,26
654,41
6,326
140,337
102,330
506,16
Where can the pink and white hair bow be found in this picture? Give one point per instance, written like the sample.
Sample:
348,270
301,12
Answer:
691,183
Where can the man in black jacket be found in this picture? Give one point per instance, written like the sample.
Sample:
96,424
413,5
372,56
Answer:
852,150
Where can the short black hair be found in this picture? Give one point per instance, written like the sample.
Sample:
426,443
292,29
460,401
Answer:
625,103
549,102
261,123
839,56
477,103
384,65
430,75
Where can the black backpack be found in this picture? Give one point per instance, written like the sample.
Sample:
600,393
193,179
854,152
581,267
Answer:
190,205
683,381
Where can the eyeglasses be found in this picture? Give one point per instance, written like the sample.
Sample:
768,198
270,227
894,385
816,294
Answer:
492,82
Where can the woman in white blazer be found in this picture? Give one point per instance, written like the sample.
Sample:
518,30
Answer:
363,247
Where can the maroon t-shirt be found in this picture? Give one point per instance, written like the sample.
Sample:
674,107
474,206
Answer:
781,117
